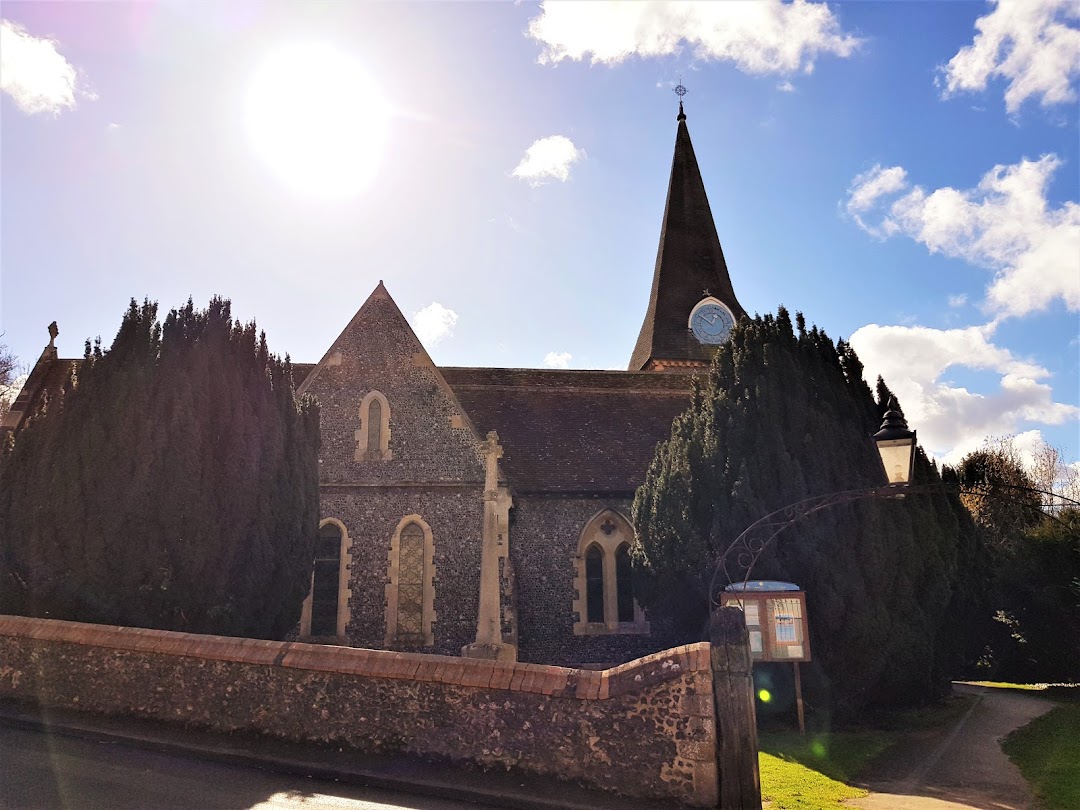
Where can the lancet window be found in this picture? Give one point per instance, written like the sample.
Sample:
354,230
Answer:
325,611
604,585
373,435
410,594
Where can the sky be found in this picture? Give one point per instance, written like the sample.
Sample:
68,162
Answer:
904,174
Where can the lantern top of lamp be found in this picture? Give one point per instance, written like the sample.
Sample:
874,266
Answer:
893,426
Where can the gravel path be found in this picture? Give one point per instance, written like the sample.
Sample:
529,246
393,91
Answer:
962,768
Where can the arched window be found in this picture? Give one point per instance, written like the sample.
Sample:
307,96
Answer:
326,610
410,594
410,606
594,583
374,426
604,587
624,587
373,435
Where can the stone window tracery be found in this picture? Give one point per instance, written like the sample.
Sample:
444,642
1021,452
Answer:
604,600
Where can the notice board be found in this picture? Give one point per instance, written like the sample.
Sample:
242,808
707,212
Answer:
776,622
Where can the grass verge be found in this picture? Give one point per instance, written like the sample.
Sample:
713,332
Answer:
1047,752
800,772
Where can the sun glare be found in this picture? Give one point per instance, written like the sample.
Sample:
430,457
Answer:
317,120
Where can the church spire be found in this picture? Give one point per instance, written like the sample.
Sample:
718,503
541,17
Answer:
690,267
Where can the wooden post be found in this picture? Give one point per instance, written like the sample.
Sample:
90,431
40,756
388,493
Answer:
736,719
798,699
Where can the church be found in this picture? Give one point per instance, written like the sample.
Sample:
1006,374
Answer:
485,511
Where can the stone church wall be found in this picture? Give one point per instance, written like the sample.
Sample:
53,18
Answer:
644,729
455,515
432,467
428,440
544,536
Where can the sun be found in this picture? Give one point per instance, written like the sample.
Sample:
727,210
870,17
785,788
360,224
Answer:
317,120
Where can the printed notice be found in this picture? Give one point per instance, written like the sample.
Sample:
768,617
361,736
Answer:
755,641
785,629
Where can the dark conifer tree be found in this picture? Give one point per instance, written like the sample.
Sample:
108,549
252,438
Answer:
173,484
784,415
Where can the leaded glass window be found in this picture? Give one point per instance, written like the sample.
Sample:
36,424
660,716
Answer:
624,586
594,583
325,586
410,606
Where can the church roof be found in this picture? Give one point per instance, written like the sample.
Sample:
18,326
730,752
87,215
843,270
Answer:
572,431
689,262
562,432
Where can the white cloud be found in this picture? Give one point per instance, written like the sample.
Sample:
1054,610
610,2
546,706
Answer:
785,86
1005,224
758,36
1030,43
549,157
867,188
958,300
557,359
950,419
33,72
434,323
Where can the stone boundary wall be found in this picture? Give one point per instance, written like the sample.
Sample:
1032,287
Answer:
646,728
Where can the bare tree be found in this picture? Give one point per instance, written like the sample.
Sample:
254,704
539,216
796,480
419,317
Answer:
1041,466
9,366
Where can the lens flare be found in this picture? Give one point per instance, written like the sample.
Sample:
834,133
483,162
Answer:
317,120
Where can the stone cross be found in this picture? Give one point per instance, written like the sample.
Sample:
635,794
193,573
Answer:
492,452
489,643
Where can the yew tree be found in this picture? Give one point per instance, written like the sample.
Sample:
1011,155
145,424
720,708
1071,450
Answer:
172,484
782,415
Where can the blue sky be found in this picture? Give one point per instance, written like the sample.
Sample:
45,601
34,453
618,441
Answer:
905,174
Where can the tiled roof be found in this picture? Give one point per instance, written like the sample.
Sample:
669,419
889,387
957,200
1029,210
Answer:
572,431
561,431
689,261
300,372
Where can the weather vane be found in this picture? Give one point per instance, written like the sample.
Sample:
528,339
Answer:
680,91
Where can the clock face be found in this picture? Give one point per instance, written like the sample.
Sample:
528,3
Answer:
711,323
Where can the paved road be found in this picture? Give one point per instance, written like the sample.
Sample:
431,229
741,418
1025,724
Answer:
963,768
43,772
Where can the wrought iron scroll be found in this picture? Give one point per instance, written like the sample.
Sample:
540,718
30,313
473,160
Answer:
748,547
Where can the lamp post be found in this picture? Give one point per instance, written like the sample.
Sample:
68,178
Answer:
896,446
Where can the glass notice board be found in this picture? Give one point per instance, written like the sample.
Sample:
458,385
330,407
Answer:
776,622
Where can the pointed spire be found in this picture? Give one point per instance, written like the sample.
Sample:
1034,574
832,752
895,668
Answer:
690,266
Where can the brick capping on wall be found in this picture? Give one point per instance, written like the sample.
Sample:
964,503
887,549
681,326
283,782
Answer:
539,678
646,728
